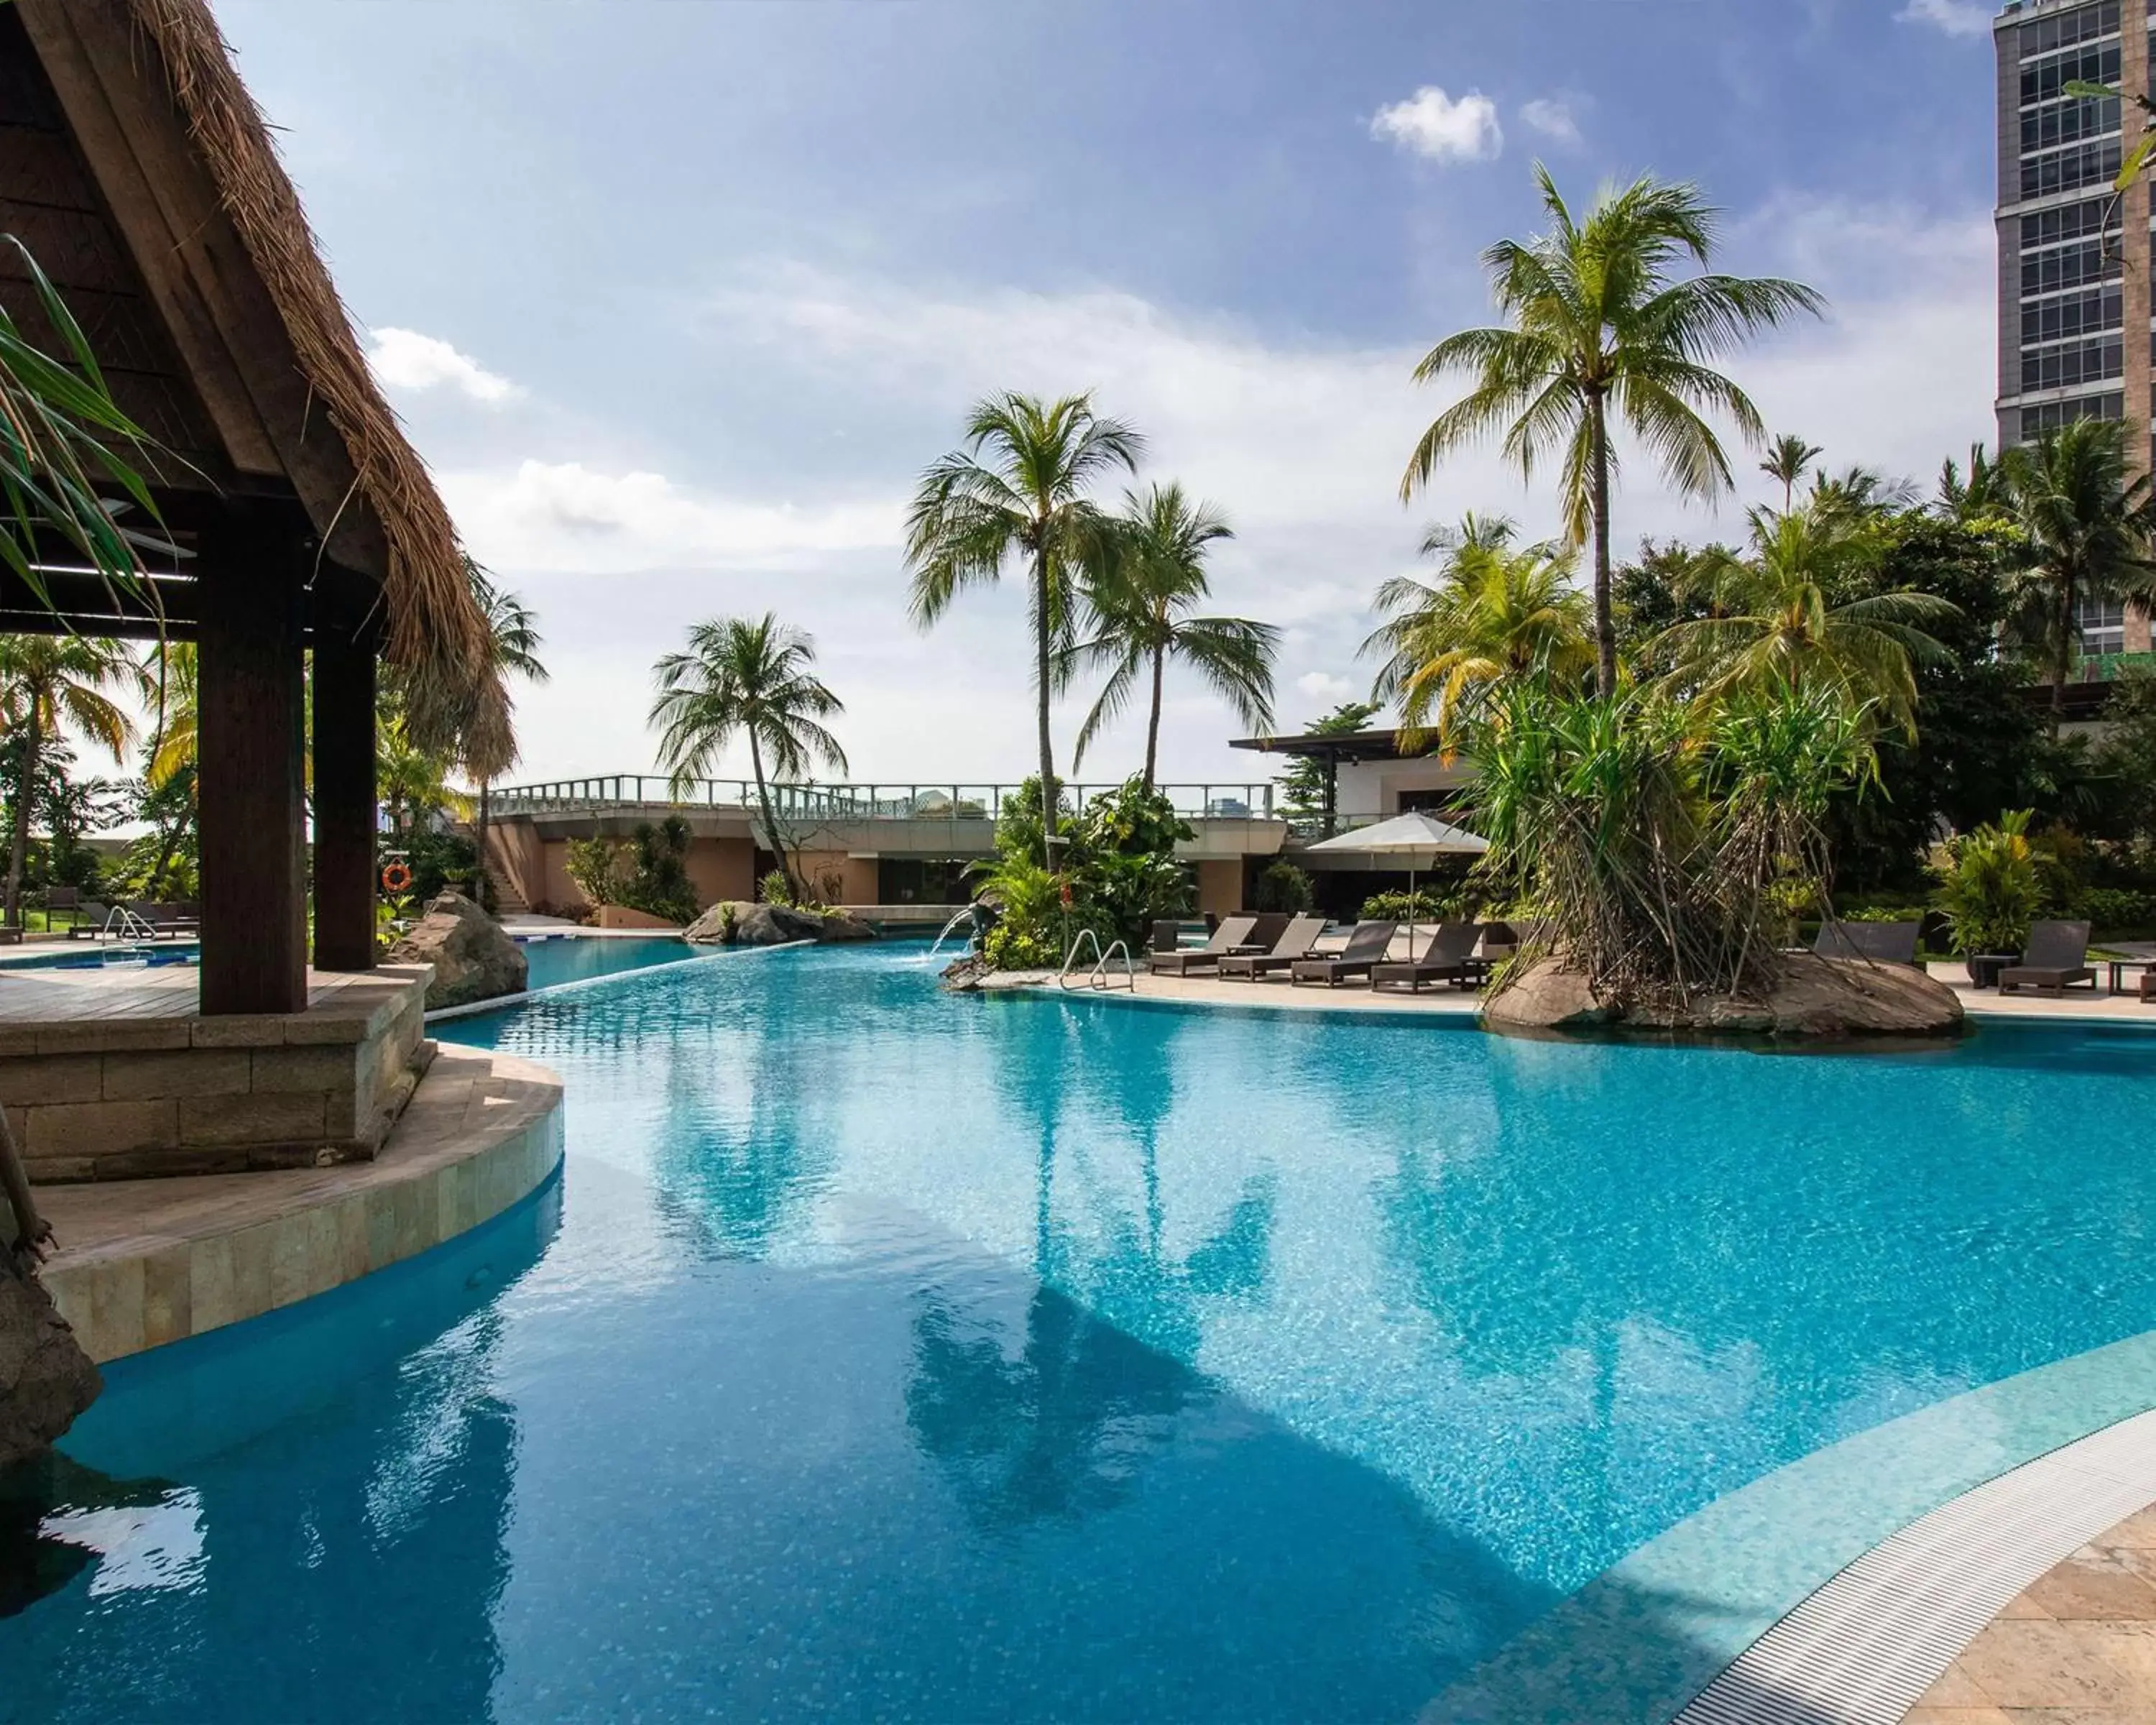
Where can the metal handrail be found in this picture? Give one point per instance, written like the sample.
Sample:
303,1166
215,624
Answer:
1251,800
131,926
1097,976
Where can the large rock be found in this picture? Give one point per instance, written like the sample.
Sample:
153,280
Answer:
735,922
45,1378
473,956
1812,997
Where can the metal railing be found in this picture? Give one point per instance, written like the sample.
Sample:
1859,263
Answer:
792,802
1097,976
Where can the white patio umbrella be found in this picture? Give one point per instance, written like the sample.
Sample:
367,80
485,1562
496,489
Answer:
1417,839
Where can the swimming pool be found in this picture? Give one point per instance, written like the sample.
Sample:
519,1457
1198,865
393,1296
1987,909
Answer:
923,1359
577,958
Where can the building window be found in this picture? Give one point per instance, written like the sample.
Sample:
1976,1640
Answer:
2069,121
2063,29
2073,363
2070,221
2046,80
2050,415
2068,266
2068,169
2072,315
2103,623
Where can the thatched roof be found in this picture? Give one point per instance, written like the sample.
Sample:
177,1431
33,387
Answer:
370,496
431,606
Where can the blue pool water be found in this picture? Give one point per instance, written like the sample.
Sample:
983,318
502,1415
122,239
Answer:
562,958
904,1358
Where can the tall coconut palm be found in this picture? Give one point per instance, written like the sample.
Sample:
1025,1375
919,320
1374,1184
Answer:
48,682
513,643
1141,600
752,677
1788,457
1773,623
1018,490
2087,523
1966,498
1601,324
1494,612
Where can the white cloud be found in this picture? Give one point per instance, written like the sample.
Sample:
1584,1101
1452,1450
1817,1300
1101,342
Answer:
1957,18
563,515
1323,685
1432,124
405,359
1553,117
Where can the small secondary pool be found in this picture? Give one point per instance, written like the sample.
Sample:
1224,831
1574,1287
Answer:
913,1358
577,958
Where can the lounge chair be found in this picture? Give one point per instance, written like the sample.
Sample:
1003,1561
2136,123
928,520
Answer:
1449,958
1294,943
1167,936
2056,958
1365,949
1877,942
1230,934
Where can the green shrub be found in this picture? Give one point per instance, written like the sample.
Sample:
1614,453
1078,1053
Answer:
2109,907
774,889
597,867
1425,907
1989,891
657,882
1010,947
1282,886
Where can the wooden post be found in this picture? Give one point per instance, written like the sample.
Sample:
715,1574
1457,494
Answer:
249,780
344,808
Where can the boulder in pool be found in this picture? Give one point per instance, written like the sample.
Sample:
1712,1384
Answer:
45,1378
473,956
1812,997
735,923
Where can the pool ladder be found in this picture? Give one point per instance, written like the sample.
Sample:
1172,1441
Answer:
1097,976
126,938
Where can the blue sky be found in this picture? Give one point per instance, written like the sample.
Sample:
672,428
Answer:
677,298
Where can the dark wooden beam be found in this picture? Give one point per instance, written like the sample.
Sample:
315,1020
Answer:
249,697
344,801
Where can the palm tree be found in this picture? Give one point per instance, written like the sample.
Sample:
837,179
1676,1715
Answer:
513,642
411,781
1141,600
1017,488
46,682
1599,323
1494,612
1773,623
1788,457
1982,493
751,675
1861,492
2087,523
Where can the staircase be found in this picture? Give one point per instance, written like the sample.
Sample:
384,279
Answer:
508,901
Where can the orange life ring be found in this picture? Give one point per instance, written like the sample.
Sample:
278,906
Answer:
395,877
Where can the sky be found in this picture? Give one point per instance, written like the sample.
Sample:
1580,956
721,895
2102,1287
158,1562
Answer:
677,300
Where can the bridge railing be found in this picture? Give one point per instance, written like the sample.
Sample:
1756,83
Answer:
653,793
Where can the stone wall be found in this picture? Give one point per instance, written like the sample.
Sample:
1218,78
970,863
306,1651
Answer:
95,1099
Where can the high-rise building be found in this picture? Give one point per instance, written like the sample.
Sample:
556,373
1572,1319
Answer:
2075,335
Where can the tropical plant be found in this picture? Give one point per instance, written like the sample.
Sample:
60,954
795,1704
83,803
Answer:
598,865
1280,886
654,878
2088,518
413,783
1142,598
1978,496
1788,456
1600,324
775,888
1663,846
1773,620
1495,613
1860,494
1310,787
754,678
1018,490
48,682
513,642
1031,913
1988,887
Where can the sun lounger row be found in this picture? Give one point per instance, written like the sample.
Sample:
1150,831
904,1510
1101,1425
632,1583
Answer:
1237,949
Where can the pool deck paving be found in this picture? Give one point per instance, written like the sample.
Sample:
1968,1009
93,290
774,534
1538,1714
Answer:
2076,1646
1446,1001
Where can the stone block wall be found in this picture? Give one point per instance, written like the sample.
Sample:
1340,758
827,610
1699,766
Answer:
94,1099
